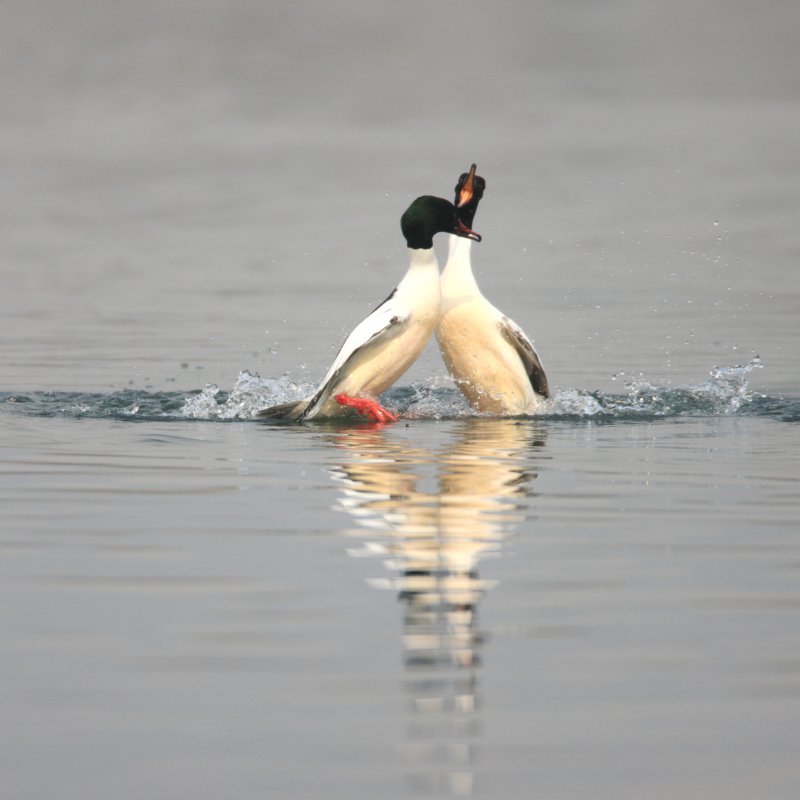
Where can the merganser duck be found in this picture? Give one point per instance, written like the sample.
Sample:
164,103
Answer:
491,359
385,344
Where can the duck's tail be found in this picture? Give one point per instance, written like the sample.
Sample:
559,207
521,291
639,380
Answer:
291,410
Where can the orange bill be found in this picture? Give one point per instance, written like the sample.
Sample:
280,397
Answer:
468,189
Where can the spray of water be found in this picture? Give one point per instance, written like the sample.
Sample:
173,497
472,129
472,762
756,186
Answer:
724,393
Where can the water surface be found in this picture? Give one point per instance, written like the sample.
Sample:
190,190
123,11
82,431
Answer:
201,200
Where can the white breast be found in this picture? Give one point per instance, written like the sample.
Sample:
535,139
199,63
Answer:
415,304
484,364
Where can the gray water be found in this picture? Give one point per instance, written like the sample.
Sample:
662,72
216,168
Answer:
199,201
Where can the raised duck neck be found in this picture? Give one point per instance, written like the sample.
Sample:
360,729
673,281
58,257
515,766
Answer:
459,263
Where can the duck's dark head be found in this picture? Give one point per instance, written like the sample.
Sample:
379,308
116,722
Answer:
429,215
469,190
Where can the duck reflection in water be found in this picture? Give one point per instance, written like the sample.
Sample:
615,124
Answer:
432,515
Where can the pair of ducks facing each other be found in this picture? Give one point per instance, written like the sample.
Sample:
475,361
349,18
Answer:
491,359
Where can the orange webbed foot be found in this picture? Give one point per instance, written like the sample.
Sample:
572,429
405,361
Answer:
371,409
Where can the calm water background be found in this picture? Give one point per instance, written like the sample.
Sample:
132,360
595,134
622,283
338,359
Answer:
583,605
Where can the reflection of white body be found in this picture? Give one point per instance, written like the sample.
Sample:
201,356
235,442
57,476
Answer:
491,359
433,538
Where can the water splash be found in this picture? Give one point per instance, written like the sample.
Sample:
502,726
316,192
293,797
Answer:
724,393
248,396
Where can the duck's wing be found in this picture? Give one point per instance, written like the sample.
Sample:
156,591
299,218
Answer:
385,322
524,347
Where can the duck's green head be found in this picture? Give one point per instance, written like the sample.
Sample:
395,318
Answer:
429,215
469,190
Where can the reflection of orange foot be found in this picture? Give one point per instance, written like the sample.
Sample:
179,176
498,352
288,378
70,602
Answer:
367,408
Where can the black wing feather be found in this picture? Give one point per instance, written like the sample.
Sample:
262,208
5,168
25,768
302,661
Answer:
530,359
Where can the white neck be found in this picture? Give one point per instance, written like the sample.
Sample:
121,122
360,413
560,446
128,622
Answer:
457,277
422,259
421,281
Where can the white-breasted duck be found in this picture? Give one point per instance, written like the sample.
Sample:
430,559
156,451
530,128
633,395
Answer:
491,359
